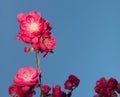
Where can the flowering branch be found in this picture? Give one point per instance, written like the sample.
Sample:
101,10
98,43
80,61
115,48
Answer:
35,30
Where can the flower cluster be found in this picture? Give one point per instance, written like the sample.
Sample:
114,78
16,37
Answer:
56,90
24,82
35,30
107,88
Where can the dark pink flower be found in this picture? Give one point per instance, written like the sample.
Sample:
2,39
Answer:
45,89
71,82
74,80
106,88
112,83
47,43
68,85
27,76
15,91
57,91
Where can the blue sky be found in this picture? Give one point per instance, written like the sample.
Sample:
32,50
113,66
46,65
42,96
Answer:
88,42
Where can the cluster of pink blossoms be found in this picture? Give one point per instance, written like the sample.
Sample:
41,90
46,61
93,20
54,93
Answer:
107,88
24,82
27,79
69,84
35,30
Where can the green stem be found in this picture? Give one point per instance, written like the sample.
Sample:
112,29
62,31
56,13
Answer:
38,66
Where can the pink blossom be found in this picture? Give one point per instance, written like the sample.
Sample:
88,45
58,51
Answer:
27,76
68,85
15,91
71,82
106,87
31,25
74,80
112,83
30,93
45,89
57,91
47,43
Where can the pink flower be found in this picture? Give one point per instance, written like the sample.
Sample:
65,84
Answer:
31,24
72,82
27,76
45,89
112,83
36,31
15,91
68,85
57,91
106,87
47,43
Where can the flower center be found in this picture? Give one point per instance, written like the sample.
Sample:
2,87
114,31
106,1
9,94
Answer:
33,27
27,77
15,94
46,41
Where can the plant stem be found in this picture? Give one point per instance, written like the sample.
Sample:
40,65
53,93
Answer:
38,66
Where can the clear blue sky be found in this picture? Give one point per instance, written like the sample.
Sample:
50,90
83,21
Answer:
88,42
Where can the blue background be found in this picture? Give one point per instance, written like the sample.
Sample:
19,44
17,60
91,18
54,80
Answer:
88,42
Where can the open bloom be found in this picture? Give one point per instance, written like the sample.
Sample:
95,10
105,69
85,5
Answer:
27,76
31,25
47,43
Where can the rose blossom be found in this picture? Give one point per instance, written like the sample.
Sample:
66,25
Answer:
27,76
